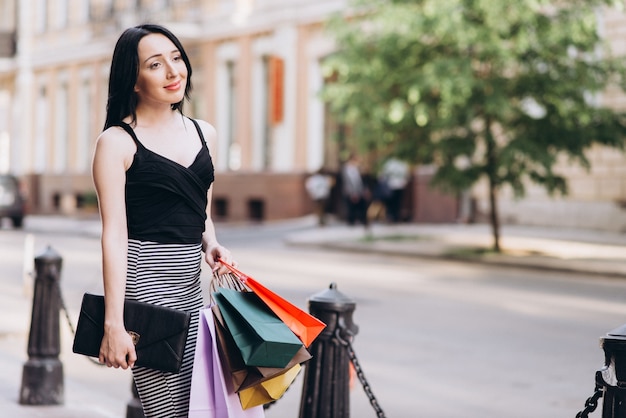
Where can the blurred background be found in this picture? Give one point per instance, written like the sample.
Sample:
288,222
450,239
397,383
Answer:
258,70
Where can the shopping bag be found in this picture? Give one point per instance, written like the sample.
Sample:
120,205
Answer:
304,325
245,376
261,337
269,390
212,396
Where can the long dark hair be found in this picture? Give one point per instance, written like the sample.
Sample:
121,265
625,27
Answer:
122,101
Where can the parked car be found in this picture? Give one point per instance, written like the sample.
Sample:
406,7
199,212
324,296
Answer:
12,202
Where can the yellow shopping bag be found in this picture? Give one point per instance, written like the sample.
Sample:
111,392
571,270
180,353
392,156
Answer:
269,390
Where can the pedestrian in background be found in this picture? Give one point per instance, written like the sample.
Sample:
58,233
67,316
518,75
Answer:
153,172
355,193
395,177
377,210
319,185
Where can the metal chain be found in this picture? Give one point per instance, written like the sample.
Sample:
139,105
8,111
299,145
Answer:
591,403
360,374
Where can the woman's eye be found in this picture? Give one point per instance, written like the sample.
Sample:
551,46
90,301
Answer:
155,65
177,58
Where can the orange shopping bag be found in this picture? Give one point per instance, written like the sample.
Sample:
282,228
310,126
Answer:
304,325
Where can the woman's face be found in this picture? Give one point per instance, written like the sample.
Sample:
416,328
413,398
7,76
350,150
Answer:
162,76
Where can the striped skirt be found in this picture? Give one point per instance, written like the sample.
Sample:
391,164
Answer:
166,275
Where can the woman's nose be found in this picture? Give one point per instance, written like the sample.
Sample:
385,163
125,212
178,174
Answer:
172,71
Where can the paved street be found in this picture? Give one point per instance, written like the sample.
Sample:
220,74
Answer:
436,339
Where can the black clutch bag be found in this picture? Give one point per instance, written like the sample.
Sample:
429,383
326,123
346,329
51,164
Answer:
159,333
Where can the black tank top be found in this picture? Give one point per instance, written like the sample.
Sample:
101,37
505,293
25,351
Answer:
165,201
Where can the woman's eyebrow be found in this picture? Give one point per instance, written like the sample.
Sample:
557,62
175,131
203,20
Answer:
174,51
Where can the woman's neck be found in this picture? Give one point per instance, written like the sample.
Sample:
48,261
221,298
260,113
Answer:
157,118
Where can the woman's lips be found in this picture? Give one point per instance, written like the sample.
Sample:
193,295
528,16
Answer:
173,86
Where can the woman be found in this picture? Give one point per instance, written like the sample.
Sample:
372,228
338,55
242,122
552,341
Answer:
153,172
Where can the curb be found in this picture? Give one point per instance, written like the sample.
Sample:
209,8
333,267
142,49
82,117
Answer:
441,251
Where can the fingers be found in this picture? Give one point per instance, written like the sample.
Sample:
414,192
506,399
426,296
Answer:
227,260
221,269
223,255
124,362
131,358
106,360
222,266
118,356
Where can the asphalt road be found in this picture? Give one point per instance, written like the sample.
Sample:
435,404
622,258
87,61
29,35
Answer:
435,339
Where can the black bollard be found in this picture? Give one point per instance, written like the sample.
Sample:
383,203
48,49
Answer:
613,376
42,375
326,390
133,407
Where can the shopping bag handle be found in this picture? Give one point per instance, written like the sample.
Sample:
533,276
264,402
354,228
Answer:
240,275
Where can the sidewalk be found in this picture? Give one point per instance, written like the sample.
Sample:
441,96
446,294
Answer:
586,252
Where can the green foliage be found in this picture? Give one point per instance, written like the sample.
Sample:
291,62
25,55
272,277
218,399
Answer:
494,89
482,88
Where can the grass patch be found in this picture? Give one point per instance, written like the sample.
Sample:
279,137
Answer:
474,252
393,238
471,252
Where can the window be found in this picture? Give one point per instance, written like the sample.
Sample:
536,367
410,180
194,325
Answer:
41,124
8,16
61,14
61,129
84,122
266,145
234,150
256,209
41,15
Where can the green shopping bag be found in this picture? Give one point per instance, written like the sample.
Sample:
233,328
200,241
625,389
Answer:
261,337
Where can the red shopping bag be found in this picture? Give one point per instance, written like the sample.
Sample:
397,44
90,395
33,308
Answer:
304,325
212,396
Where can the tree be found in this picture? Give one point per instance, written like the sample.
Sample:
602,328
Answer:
482,89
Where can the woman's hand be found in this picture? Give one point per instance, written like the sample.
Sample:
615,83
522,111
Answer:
215,253
117,348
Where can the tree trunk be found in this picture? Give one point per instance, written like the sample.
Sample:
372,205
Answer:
493,216
492,168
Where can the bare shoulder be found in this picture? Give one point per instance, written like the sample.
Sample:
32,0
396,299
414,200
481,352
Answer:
209,132
115,143
115,136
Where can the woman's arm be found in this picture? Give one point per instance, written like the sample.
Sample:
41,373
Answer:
113,155
211,247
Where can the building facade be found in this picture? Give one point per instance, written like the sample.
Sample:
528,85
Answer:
257,73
